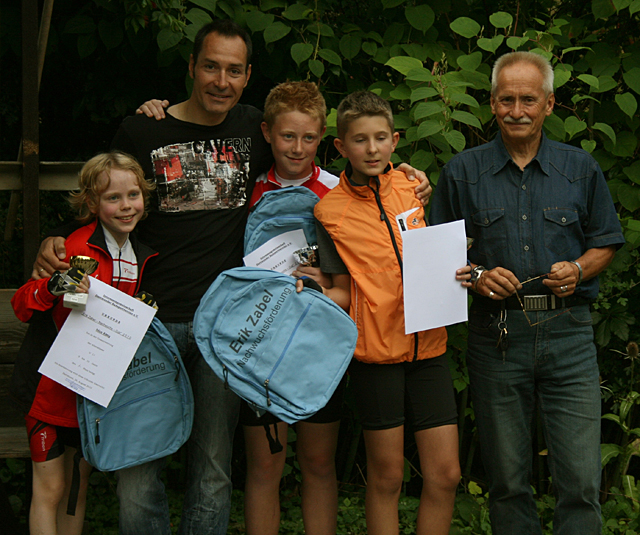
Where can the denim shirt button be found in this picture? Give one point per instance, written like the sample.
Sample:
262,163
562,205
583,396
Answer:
524,218
486,221
526,247
564,219
524,186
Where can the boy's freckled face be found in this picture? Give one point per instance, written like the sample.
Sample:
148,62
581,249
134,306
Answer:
294,139
368,143
121,204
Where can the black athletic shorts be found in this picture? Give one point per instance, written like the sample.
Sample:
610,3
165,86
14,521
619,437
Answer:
48,441
331,412
386,393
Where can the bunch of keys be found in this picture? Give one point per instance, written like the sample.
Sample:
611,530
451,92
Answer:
503,339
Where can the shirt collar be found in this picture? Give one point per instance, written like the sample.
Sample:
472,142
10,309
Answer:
501,156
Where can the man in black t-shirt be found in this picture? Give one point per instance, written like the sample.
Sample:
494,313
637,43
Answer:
204,157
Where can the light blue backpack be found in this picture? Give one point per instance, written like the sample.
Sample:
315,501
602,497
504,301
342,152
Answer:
150,415
281,211
281,351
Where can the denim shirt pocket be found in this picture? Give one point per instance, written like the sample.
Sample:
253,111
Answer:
492,231
559,227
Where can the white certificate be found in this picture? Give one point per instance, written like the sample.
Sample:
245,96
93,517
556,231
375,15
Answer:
277,253
432,295
95,346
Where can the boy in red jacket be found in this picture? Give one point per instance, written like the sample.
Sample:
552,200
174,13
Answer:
111,200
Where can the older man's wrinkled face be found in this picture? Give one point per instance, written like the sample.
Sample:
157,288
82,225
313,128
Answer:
520,104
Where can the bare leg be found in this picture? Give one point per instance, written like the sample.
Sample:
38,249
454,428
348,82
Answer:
385,469
48,490
438,450
67,523
316,450
262,488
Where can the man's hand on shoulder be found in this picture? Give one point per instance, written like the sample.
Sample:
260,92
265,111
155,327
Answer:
153,108
50,258
424,189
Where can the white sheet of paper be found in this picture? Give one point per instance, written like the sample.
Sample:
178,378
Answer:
277,253
95,346
432,295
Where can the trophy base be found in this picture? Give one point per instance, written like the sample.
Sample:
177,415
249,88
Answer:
73,300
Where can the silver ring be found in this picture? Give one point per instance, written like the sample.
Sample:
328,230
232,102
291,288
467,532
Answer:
40,270
564,288
491,294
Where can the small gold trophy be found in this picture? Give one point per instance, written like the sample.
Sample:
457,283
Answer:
87,265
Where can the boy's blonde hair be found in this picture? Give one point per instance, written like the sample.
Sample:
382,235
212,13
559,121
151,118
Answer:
87,200
304,97
362,104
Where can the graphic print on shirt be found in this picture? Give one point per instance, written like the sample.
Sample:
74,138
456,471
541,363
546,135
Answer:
202,175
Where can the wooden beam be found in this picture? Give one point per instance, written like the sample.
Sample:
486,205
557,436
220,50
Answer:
54,176
30,133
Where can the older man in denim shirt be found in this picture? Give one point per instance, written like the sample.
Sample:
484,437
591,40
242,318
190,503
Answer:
544,226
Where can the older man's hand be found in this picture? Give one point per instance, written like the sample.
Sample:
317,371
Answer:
498,283
562,279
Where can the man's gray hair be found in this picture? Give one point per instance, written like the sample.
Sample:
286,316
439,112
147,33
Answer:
532,58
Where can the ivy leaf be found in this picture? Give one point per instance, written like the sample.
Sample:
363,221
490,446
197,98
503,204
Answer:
574,48
455,139
296,12
426,109
350,45
607,130
588,144
87,44
629,196
490,45
421,17
627,103
167,38
428,128
633,172
605,83
199,17
421,93
422,159
500,19
590,80
470,62
110,33
465,26
301,52
634,7
370,48
388,4
80,24
609,451
404,64
602,9
330,56
258,21
420,75
316,67
555,127
207,4
275,32
632,78
573,126
561,76
466,118
516,42
402,92
463,98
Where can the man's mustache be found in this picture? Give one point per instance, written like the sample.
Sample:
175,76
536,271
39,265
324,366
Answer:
522,120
